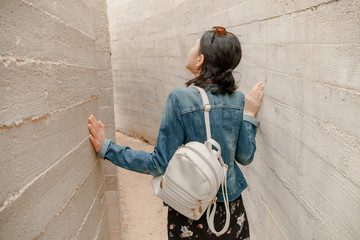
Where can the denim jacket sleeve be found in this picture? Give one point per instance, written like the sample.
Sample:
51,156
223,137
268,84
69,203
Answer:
171,135
246,145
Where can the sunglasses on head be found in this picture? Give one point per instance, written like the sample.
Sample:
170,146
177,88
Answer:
220,31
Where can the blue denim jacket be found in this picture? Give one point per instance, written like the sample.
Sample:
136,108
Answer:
182,122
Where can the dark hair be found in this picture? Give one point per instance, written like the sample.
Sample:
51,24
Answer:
221,55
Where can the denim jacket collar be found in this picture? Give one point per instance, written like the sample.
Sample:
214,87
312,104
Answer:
210,86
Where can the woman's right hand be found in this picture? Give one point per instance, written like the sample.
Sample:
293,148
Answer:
253,100
97,130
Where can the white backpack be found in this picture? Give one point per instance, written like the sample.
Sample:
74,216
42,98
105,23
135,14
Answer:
193,177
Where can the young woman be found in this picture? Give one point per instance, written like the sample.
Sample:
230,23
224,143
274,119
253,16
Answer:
233,125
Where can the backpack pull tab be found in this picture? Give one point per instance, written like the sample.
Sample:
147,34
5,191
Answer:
194,212
161,183
200,208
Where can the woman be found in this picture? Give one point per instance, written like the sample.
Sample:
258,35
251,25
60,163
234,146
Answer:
233,126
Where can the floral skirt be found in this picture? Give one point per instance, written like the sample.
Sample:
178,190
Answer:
181,227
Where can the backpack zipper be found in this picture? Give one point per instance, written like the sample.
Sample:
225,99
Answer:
181,188
175,201
179,196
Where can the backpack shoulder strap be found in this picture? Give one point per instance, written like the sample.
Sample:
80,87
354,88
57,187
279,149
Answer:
210,215
207,108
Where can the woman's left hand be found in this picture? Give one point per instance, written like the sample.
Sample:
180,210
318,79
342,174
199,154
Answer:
97,135
253,100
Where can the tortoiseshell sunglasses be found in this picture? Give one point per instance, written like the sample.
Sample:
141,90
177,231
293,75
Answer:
220,31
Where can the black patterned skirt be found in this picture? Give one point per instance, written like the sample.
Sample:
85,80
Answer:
181,227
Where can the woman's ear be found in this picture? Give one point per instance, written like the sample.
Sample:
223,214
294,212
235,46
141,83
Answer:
199,61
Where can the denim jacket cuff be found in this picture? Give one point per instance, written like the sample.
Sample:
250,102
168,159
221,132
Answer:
103,148
254,121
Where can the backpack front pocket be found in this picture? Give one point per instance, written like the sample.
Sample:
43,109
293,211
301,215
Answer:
178,195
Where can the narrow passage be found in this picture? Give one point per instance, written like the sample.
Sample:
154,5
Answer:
142,215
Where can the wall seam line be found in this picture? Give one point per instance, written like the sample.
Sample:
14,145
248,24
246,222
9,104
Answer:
68,202
99,228
18,60
285,14
37,118
10,200
56,18
306,80
89,212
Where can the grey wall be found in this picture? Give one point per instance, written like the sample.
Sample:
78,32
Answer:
55,71
305,180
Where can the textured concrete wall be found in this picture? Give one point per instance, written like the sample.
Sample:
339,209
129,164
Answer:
305,180
55,71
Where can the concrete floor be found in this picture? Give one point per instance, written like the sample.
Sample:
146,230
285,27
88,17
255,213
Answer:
142,215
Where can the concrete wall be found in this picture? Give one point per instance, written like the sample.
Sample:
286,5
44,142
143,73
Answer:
305,180
55,70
